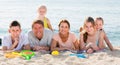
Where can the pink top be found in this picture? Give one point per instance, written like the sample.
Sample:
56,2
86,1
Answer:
68,44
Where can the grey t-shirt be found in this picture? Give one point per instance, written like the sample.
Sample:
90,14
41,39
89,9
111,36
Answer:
7,41
45,41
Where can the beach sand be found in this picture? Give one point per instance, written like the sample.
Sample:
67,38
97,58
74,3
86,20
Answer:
105,57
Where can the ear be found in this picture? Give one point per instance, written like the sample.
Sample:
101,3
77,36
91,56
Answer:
20,30
9,31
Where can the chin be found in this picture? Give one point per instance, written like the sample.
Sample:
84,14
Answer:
90,33
39,35
64,33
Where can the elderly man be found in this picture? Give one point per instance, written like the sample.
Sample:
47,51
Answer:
40,38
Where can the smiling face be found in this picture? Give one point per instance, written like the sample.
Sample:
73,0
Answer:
99,24
64,28
15,31
89,28
42,11
38,30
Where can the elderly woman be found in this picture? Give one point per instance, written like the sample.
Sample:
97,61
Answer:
64,40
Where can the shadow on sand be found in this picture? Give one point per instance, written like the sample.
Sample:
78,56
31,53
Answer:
115,53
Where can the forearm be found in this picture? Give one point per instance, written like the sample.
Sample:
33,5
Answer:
111,47
59,49
76,45
45,48
13,46
108,43
82,43
27,47
82,46
4,48
37,48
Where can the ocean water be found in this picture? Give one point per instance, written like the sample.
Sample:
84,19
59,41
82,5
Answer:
75,11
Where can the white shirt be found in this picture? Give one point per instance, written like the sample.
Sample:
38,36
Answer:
7,41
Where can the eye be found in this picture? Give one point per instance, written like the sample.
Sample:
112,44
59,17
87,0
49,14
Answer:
16,30
61,26
66,26
13,30
99,24
34,28
86,26
96,24
90,26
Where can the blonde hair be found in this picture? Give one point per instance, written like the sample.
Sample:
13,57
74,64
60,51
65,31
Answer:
42,7
90,20
100,18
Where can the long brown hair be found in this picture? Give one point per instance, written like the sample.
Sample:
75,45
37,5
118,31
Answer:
91,20
64,21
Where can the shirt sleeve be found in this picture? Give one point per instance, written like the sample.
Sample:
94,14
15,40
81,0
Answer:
5,41
50,38
74,37
25,40
30,38
54,37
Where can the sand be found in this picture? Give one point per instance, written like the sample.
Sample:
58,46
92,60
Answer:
105,57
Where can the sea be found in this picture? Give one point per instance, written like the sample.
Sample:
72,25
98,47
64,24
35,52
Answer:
75,11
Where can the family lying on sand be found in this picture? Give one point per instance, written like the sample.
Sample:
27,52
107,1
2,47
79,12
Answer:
42,37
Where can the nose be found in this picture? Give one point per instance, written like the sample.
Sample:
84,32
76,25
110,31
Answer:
88,28
38,30
15,34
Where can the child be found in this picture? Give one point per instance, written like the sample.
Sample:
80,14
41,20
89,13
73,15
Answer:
42,11
99,26
15,41
90,40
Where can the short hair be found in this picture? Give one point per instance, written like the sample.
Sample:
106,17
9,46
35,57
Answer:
38,22
100,18
64,21
14,23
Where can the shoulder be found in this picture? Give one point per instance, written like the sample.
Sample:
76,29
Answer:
47,31
23,35
47,20
101,32
30,33
7,37
82,34
72,34
56,35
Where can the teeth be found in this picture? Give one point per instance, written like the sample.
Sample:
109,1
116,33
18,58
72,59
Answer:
38,33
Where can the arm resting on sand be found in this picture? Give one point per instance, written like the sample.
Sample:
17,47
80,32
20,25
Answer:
108,42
